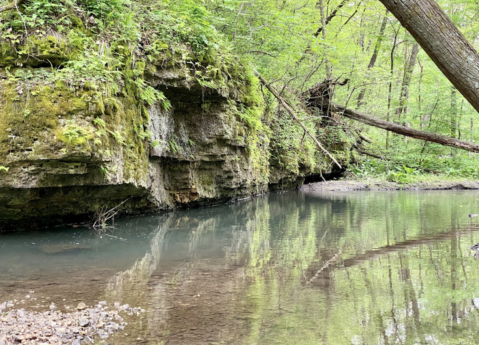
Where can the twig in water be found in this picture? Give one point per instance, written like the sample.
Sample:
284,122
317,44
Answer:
329,262
103,215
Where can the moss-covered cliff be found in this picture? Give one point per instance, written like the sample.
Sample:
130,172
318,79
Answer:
128,104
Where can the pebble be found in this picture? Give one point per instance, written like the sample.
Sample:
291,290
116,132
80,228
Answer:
83,323
20,326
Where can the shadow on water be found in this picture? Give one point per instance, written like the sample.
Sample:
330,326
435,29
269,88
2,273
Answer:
292,268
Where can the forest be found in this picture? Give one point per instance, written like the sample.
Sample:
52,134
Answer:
366,59
296,44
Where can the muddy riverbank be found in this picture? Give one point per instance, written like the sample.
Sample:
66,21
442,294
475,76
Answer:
378,185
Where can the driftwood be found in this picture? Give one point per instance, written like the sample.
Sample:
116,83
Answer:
104,214
286,106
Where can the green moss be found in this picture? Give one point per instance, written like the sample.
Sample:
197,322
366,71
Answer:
31,118
77,23
75,136
36,51
140,68
44,50
7,55
56,122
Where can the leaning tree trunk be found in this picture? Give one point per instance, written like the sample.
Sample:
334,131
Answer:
442,41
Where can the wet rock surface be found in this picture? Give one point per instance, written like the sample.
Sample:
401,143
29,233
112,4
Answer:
81,325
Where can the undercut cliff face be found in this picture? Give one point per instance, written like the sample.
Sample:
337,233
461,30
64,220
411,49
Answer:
70,149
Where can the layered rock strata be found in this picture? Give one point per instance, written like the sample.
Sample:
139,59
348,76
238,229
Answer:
67,152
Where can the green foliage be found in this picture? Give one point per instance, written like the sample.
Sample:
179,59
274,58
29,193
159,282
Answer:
75,135
41,13
174,147
104,170
106,47
111,9
278,37
155,143
404,175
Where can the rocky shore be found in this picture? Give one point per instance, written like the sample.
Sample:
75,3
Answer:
82,325
378,185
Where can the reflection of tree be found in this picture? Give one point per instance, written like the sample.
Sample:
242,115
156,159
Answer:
394,299
239,273
401,246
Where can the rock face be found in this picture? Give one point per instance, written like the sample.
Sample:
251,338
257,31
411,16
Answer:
67,152
204,151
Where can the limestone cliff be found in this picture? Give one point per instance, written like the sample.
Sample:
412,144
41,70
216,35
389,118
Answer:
157,131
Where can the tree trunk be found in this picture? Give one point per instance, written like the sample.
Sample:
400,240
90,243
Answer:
406,131
390,88
323,33
404,96
453,112
330,17
442,41
374,57
419,98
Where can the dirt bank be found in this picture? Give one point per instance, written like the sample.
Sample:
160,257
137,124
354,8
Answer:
344,186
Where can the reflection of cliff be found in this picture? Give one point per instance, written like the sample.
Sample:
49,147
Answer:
131,286
142,269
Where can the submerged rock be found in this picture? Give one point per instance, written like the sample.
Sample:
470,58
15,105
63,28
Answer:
63,248
81,306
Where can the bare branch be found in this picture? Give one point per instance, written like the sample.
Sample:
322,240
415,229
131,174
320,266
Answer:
286,106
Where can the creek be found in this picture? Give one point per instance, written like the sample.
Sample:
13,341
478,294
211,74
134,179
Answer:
287,268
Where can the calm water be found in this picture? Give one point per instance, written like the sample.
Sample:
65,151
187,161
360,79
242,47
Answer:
293,268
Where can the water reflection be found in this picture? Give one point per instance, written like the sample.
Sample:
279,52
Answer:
293,268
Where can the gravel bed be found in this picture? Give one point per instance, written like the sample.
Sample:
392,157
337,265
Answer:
83,325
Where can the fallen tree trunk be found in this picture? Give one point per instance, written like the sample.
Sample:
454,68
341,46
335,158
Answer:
286,106
406,131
